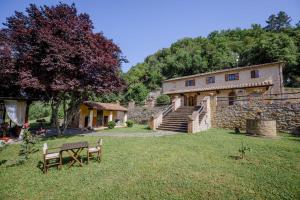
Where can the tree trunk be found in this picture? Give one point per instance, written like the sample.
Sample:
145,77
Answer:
54,115
54,112
70,111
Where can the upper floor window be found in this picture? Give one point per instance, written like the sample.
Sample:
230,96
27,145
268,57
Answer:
231,77
190,82
254,74
210,79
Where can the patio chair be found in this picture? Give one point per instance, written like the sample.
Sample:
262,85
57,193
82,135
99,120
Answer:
95,150
51,158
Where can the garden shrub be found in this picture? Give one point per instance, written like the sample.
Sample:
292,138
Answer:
111,124
129,123
163,100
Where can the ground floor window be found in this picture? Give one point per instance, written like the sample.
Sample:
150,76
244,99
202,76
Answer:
231,98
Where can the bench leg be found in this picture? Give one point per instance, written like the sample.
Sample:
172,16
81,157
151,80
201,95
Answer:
60,160
45,167
88,157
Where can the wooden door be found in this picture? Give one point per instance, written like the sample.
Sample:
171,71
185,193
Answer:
105,119
191,101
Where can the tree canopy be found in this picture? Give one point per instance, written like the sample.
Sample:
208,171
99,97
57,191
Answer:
52,52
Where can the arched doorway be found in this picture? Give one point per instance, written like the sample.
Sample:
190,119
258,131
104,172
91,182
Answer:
231,98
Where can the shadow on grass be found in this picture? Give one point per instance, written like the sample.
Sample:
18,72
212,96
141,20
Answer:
235,157
237,133
2,162
67,160
54,137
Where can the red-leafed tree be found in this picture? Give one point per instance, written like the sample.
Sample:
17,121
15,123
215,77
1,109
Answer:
52,53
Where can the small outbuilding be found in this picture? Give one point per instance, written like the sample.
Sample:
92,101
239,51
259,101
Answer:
97,115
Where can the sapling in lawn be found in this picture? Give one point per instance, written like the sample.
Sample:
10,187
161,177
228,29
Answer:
243,150
28,146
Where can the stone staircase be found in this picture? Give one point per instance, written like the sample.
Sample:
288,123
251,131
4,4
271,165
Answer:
178,120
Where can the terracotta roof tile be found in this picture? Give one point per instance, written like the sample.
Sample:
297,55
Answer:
243,85
224,70
104,106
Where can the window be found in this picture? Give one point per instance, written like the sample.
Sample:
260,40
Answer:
190,83
231,77
254,74
210,79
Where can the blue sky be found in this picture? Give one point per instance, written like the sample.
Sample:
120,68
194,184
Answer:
142,27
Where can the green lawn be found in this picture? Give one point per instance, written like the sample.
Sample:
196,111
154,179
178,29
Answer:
196,166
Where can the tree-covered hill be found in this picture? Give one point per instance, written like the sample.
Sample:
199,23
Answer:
278,41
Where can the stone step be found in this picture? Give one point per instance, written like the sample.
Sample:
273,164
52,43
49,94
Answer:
180,113
174,122
185,119
176,118
172,129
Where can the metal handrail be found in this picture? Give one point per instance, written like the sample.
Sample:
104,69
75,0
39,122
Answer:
167,110
203,104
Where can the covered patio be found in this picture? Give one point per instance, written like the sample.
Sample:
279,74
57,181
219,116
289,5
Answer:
97,115
13,116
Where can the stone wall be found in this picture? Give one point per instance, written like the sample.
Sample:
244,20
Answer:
287,115
141,114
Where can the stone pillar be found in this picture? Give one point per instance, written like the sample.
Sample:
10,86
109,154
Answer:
213,109
110,117
155,121
91,115
125,117
176,103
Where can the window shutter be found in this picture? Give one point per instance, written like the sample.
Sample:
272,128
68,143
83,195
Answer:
207,80
226,77
252,74
213,79
186,83
256,74
237,76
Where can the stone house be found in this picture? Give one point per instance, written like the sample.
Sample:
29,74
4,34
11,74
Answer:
97,115
240,81
196,97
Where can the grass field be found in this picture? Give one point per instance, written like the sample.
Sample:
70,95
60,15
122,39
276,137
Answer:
199,166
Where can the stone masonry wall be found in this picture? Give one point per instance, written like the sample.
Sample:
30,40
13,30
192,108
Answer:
141,114
286,115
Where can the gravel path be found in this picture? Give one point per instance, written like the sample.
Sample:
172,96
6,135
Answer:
120,133
137,134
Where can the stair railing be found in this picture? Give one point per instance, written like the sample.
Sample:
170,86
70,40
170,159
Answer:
202,109
194,118
156,119
167,110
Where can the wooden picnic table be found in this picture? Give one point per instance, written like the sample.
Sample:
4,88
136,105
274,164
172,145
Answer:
74,150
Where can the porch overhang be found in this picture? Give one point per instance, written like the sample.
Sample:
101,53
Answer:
104,106
225,87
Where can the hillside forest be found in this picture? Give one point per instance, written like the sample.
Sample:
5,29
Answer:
279,40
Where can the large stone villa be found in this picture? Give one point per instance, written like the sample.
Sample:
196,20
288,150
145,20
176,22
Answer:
240,81
197,99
